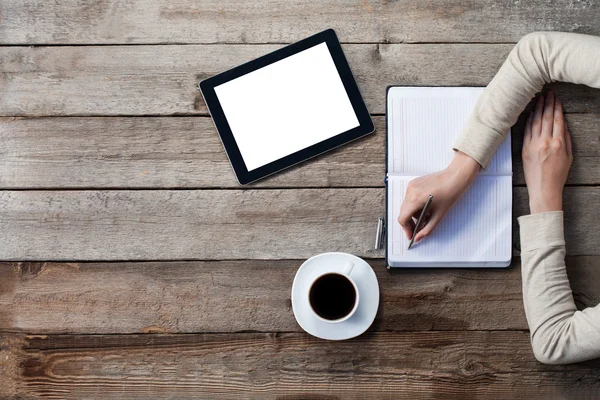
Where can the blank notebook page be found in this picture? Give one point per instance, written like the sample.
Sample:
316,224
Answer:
423,124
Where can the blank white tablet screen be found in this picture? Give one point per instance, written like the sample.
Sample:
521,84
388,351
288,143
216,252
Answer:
286,106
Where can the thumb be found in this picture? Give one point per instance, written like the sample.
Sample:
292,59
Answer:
427,228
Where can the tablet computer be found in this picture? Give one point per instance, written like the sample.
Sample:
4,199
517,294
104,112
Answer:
286,107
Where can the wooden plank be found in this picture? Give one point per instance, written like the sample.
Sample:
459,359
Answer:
219,297
162,80
473,365
213,21
141,152
9,370
234,296
185,152
224,224
174,225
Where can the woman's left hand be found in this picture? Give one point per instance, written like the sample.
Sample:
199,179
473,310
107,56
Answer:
547,154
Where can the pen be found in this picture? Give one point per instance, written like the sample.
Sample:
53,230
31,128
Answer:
418,224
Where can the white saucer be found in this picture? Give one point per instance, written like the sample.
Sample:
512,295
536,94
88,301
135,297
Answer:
368,288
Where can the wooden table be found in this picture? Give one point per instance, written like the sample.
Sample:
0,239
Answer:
136,267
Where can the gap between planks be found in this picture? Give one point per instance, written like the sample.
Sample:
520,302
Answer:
39,45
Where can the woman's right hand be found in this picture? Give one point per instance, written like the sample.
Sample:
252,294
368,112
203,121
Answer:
446,187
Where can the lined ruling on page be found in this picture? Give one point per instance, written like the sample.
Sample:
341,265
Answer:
422,126
476,229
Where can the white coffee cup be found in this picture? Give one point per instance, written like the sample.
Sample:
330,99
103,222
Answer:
344,271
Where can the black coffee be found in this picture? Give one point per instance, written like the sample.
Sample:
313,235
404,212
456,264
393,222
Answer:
332,296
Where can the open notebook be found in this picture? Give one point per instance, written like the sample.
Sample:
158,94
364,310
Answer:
422,124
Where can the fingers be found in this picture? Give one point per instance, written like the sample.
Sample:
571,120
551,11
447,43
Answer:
527,134
558,130
536,125
548,115
569,145
427,228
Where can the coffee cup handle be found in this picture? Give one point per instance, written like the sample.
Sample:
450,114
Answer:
348,268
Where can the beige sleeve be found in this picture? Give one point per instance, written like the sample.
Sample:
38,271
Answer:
538,58
559,333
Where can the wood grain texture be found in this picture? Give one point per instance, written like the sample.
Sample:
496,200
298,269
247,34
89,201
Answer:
223,327
224,224
10,374
185,152
174,225
473,365
235,296
162,80
240,296
162,152
214,21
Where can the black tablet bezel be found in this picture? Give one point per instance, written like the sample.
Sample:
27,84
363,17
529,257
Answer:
207,87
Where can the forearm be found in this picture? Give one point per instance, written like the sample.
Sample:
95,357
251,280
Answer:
537,59
559,333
